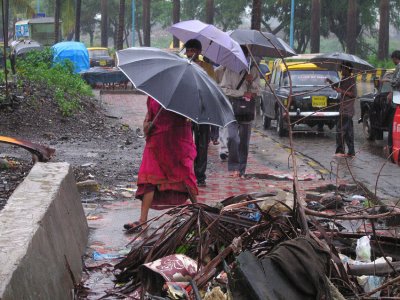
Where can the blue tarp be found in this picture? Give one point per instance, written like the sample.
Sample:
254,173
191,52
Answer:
74,51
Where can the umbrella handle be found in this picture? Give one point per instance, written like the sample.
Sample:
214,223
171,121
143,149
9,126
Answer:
151,125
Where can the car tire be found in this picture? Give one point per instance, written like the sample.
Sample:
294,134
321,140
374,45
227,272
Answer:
369,132
266,122
280,124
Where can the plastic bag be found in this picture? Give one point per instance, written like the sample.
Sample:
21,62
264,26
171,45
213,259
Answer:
363,249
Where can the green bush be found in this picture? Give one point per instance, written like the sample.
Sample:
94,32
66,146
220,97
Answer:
384,64
67,87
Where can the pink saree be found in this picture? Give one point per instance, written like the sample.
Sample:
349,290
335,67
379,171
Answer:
167,163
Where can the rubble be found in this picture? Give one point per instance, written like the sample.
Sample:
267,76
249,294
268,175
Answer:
230,247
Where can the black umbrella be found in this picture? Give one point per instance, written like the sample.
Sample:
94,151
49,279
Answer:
178,84
262,43
335,59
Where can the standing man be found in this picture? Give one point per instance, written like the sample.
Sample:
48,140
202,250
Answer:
395,82
242,89
201,131
344,126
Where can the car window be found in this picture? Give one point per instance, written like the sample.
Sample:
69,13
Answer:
309,77
96,53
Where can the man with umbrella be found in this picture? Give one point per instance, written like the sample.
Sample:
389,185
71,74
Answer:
242,89
201,131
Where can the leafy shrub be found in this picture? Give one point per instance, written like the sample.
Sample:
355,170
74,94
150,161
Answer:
384,64
67,87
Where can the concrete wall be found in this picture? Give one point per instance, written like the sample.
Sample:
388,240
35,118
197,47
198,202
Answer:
42,230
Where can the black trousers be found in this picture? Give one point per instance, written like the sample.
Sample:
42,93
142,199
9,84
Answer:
201,138
345,134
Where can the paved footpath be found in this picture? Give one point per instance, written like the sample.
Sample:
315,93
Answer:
268,170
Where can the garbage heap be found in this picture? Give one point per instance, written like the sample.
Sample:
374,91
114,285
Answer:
262,246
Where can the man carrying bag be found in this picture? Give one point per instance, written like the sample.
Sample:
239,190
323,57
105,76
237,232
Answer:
242,90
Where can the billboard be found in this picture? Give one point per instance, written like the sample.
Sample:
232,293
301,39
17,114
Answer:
22,31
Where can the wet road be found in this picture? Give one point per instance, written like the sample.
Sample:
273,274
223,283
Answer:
369,166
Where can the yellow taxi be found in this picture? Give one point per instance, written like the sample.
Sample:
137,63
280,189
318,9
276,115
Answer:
100,57
313,101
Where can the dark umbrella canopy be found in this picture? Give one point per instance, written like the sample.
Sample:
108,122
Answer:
177,84
262,44
335,59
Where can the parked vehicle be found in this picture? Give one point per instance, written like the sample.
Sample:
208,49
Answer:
38,29
21,48
313,102
75,52
100,57
375,109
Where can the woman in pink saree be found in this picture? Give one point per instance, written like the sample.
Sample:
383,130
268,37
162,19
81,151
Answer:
166,176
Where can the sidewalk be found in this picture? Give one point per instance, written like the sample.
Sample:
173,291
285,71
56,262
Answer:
267,171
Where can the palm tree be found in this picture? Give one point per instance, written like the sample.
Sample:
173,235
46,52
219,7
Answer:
176,16
351,29
104,23
383,47
57,9
256,15
121,25
146,22
78,20
210,11
315,25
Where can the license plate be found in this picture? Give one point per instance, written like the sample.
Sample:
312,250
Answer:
319,101
102,63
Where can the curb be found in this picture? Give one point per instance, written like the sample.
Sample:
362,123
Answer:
43,234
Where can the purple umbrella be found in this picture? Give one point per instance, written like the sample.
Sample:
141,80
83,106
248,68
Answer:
217,45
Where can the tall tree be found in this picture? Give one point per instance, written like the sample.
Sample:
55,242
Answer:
210,11
383,43
176,16
78,20
256,15
121,25
351,27
6,5
57,9
104,23
146,22
315,25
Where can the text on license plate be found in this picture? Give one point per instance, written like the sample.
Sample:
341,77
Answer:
319,101
102,62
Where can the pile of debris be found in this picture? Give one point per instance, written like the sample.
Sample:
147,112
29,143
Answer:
256,246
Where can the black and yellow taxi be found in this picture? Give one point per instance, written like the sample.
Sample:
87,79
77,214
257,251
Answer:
313,101
100,57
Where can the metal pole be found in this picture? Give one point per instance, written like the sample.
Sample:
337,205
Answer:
37,6
291,23
133,22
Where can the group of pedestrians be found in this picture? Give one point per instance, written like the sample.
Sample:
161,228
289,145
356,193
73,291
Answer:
174,160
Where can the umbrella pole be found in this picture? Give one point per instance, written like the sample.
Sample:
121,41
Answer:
155,118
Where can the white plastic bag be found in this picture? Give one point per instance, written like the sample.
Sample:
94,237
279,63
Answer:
363,249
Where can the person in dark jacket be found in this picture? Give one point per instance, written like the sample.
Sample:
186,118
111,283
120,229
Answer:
345,129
